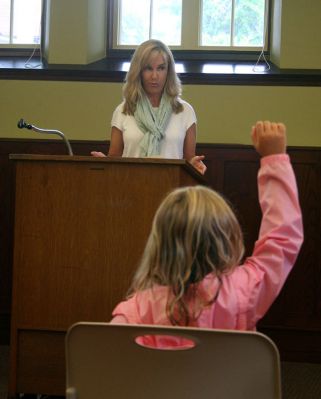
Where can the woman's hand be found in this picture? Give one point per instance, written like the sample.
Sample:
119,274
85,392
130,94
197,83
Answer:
98,154
197,163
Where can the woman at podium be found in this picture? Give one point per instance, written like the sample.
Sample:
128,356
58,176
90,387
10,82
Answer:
153,120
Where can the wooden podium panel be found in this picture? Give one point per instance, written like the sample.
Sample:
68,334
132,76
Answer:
81,224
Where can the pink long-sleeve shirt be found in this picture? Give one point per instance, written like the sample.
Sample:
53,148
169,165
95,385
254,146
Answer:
249,289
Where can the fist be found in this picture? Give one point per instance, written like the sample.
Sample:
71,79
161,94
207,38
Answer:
269,138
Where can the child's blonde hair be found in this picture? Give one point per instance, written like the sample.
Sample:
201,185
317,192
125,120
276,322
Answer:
133,89
194,233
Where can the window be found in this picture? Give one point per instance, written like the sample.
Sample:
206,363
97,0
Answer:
191,24
143,19
20,23
238,23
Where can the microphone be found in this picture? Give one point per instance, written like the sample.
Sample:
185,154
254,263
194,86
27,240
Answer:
22,124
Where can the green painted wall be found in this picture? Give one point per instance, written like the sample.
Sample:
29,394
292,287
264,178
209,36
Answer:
296,34
75,37
225,113
67,36
83,110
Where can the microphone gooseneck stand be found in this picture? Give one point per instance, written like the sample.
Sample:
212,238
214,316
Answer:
24,125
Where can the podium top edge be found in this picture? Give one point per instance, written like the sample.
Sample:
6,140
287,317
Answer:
88,158
111,160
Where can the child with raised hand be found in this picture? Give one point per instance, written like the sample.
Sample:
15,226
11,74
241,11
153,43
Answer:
190,273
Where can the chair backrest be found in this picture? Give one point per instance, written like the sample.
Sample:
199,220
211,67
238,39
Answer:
105,361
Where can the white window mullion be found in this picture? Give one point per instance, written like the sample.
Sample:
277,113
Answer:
232,23
117,17
266,23
11,21
151,5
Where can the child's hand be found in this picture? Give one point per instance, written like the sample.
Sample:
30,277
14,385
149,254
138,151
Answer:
269,138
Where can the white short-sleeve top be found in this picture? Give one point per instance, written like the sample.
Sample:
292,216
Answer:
173,143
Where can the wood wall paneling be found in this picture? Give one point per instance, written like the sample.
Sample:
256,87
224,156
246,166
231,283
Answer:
294,320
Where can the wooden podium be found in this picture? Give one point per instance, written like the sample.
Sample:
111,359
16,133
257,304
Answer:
81,224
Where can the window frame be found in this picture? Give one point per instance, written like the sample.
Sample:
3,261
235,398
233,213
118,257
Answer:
193,51
110,68
19,49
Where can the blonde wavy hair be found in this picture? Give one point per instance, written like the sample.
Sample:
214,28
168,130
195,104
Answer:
194,233
133,88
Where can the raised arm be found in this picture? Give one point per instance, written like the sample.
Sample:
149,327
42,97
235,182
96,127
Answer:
281,233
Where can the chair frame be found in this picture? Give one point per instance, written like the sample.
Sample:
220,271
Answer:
104,361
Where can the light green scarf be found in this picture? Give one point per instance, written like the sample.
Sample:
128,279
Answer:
152,122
